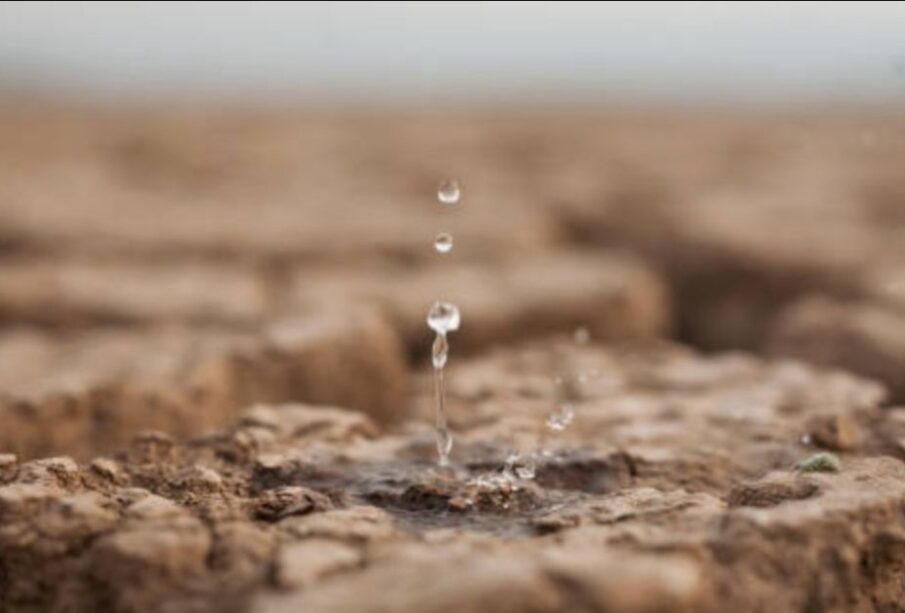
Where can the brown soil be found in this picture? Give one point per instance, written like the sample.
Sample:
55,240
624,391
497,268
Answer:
213,382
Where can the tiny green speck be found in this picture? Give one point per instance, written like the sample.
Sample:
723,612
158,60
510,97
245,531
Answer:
819,463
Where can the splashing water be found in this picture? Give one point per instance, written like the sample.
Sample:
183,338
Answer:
516,468
569,387
449,192
519,468
443,243
560,419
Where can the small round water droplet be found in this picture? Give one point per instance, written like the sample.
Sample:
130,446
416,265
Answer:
443,243
443,317
582,335
449,192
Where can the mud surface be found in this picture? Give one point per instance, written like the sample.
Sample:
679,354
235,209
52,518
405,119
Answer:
677,477
213,382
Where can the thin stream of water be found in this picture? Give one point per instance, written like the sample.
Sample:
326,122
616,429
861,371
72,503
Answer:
444,438
442,318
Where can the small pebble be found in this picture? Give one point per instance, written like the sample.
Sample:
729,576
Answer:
106,468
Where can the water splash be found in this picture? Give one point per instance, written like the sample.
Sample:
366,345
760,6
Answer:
516,469
568,390
561,418
519,467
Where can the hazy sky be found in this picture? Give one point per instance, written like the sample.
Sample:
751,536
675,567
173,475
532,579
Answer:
361,52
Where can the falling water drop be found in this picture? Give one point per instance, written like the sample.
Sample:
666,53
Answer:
443,317
443,243
449,192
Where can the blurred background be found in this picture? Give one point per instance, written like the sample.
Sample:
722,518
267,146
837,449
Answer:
362,53
175,178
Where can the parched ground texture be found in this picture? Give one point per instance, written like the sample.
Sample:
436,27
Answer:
215,391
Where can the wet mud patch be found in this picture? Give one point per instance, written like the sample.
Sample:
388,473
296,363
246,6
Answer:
423,497
593,474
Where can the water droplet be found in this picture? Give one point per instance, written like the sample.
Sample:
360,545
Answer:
449,192
443,317
582,335
440,351
560,419
443,243
805,439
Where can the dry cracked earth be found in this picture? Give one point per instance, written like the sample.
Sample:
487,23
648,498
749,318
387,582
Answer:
215,391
